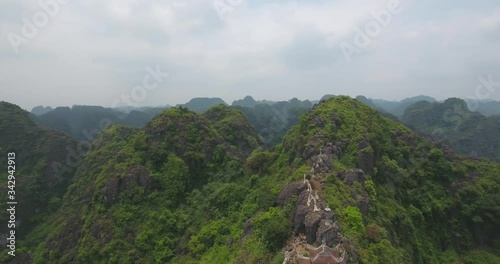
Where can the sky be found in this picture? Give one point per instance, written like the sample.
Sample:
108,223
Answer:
151,53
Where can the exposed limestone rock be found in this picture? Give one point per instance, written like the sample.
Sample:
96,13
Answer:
349,176
317,121
327,232
141,174
335,120
364,204
314,222
329,215
311,224
329,149
366,157
301,210
308,152
23,258
68,237
289,191
111,190
320,144
137,175
247,228
313,146
322,163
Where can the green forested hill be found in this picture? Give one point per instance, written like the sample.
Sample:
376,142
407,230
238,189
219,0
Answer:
40,180
468,133
135,190
425,204
183,190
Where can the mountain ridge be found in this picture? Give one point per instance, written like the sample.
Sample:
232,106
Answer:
383,183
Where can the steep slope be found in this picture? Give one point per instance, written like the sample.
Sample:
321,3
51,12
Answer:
131,200
39,180
362,184
231,124
451,122
397,198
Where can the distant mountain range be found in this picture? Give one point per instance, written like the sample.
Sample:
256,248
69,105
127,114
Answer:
40,110
272,119
485,107
85,122
451,122
200,105
396,108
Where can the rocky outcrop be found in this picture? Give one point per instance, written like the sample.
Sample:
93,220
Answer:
111,190
352,175
313,221
322,145
327,232
336,149
289,191
311,224
316,121
364,204
322,163
366,157
335,120
247,228
68,238
136,176
23,258
318,226
313,146
300,212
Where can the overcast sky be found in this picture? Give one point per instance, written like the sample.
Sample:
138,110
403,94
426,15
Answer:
93,52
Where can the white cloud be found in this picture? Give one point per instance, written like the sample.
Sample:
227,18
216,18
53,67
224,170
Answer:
491,21
97,48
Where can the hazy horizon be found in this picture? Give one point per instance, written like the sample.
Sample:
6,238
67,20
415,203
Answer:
229,102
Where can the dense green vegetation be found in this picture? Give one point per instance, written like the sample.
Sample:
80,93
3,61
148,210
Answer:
424,201
40,181
451,122
191,188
